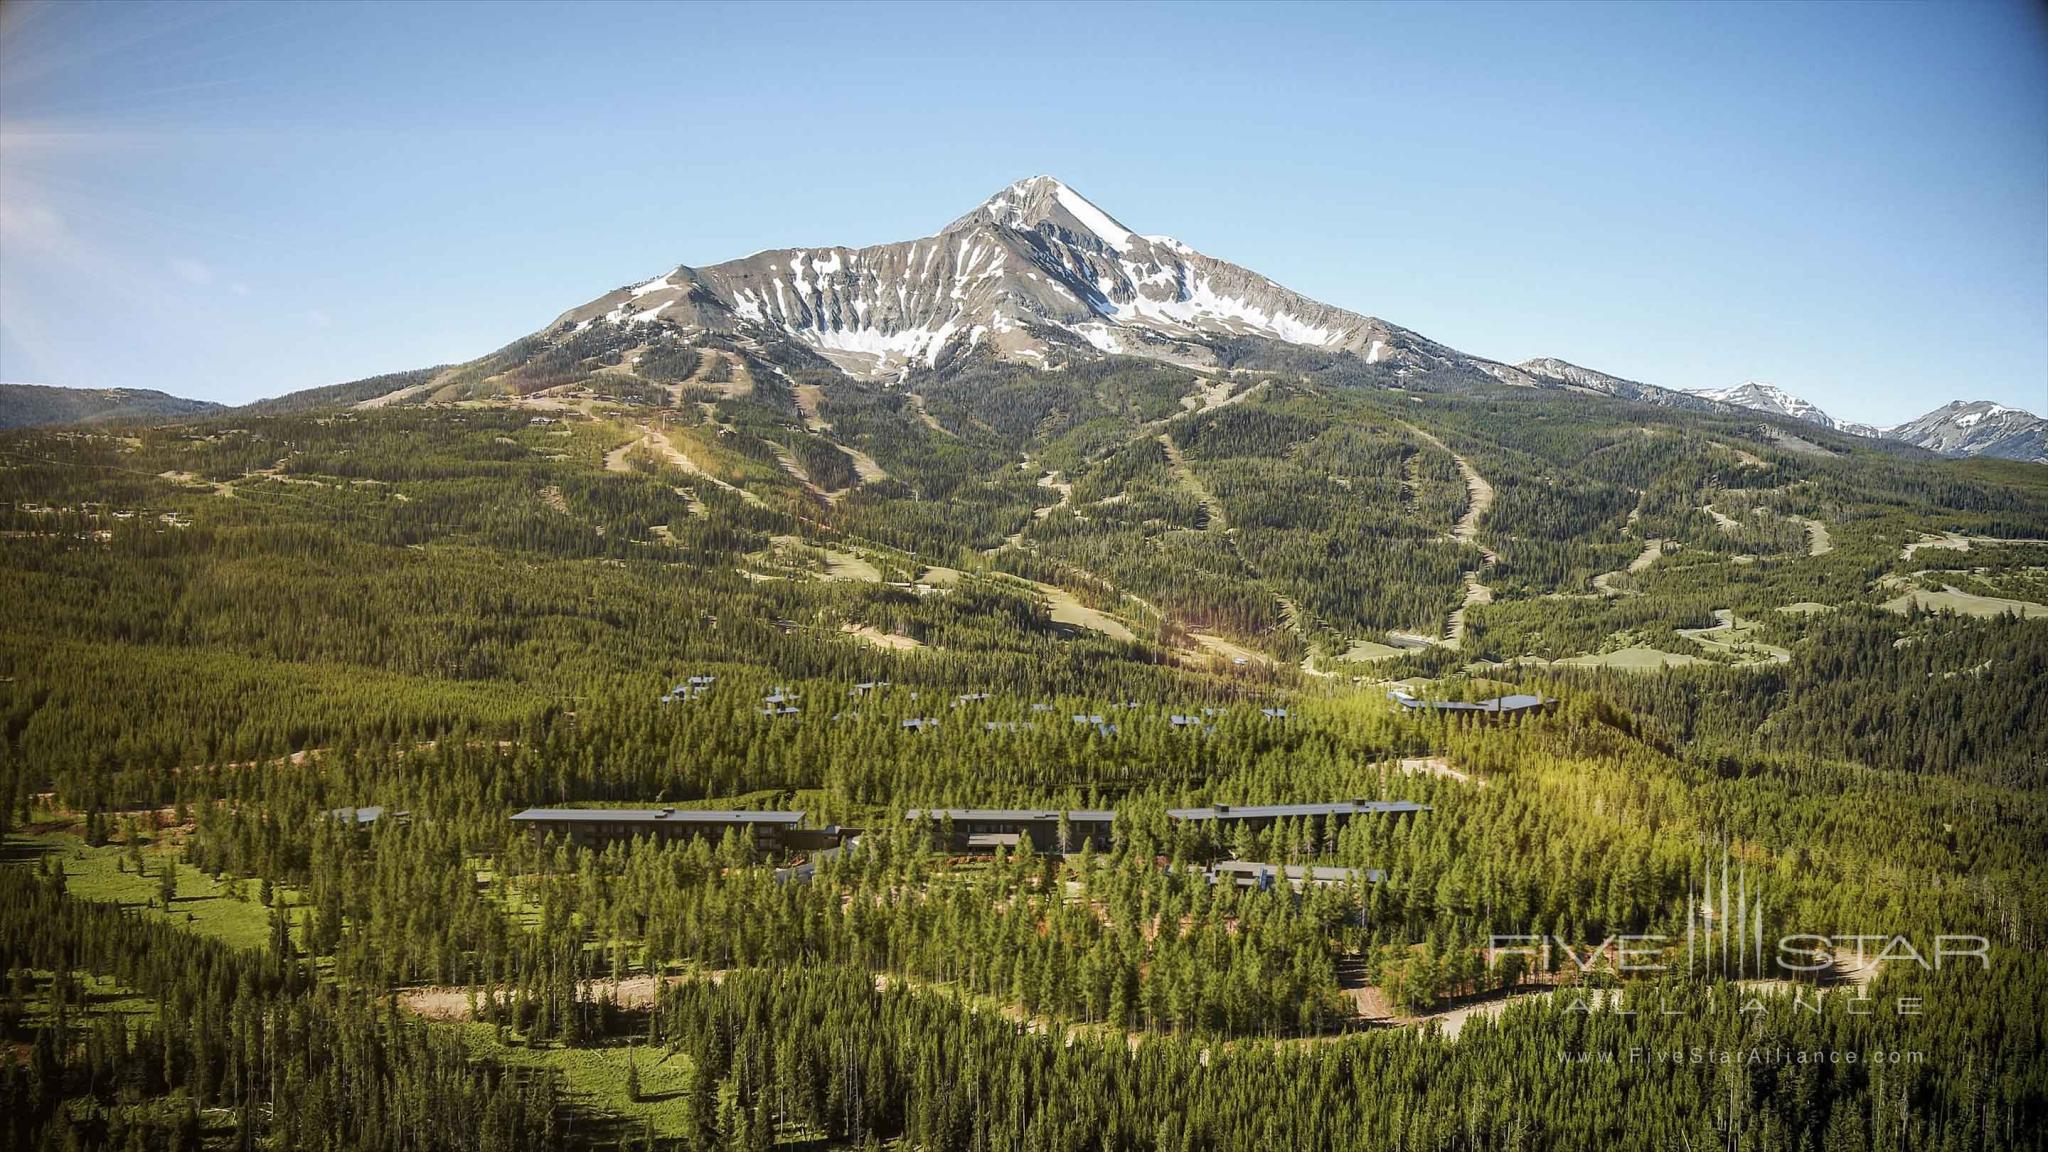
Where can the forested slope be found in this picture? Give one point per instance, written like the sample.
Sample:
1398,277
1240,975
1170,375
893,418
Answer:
1823,671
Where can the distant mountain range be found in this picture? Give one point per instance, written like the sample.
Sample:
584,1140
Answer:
33,405
1039,275
1961,428
1762,397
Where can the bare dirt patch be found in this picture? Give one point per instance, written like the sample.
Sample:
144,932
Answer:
1435,766
448,1002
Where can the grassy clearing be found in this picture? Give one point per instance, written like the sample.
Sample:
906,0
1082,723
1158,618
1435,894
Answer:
1065,609
595,1078
1806,608
1818,541
1632,659
847,566
92,994
887,641
203,905
1206,643
1736,637
1370,650
1953,599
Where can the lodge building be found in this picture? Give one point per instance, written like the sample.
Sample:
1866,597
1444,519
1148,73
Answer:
1259,817
1050,830
597,827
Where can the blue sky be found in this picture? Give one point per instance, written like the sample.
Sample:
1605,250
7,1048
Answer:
236,201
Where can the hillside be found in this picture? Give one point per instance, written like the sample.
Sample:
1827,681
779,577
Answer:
725,577
1978,428
1038,277
35,405
1960,428
1158,742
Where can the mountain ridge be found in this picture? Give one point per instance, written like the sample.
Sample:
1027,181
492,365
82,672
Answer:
1040,276
1958,428
1036,274
40,405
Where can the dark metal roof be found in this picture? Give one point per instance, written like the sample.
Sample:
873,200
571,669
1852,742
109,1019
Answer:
367,814
1515,702
1320,875
655,816
1252,870
1275,811
1012,815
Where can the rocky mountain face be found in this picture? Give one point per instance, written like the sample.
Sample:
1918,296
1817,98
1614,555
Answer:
1761,397
1978,428
1963,428
34,405
1037,274
1560,373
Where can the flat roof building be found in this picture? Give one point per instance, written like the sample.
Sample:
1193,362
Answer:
986,829
1498,706
367,815
596,827
1264,815
1252,874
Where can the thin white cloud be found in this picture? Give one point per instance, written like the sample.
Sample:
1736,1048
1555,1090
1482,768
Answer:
193,272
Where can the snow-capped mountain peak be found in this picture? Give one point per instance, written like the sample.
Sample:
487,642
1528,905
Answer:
1042,200
1963,428
1562,373
1978,428
1769,398
1037,273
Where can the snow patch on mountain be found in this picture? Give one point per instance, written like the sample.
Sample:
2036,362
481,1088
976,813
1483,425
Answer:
1978,428
1764,397
1037,273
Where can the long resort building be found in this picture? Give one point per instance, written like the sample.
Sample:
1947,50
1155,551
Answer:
1516,704
1049,830
1261,816
596,827
1253,874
